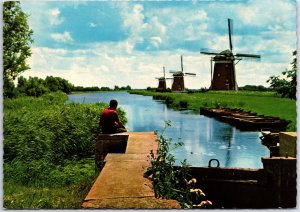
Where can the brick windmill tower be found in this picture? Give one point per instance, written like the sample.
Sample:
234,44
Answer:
178,79
223,75
162,86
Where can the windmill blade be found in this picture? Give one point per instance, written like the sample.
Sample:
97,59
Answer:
250,59
247,55
230,32
164,72
173,71
181,63
169,78
192,74
209,53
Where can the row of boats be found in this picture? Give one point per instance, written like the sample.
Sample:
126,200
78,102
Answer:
246,121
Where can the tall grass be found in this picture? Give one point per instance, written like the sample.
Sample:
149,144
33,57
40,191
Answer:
61,187
263,103
49,149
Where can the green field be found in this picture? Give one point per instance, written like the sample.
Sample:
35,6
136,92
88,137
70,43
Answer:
262,103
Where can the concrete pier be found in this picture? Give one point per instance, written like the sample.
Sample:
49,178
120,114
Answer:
288,144
121,184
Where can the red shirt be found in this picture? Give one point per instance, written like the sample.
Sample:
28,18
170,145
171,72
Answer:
107,121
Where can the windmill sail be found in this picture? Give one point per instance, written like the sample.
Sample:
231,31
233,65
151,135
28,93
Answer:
247,55
230,23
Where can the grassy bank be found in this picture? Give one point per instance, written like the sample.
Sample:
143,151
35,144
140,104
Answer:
49,151
264,103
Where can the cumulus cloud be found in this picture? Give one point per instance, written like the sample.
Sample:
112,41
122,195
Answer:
157,36
155,41
201,15
260,13
62,37
54,17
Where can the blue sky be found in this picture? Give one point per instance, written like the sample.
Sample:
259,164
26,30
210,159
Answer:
107,43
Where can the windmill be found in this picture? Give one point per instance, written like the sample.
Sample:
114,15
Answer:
178,81
162,87
223,76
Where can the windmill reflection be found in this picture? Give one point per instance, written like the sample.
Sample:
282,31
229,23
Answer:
223,134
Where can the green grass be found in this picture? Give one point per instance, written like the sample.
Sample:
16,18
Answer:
262,103
46,186
23,197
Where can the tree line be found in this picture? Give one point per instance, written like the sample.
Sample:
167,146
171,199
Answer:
96,88
34,86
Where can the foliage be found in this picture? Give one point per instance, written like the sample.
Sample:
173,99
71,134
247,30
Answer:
34,86
9,90
49,144
287,86
95,88
55,193
17,37
58,84
261,103
170,182
43,173
254,88
46,128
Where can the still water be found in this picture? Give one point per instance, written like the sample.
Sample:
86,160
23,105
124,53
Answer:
204,138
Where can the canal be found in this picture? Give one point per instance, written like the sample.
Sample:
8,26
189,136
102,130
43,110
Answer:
204,138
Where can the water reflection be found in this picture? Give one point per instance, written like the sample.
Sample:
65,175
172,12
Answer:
204,138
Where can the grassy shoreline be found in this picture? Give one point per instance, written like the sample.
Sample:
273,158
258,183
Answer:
49,151
262,103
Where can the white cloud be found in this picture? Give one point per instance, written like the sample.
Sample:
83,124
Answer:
134,18
155,41
103,69
106,66
201,15
62,37
129,47
119,63
260,13
54,17
156,27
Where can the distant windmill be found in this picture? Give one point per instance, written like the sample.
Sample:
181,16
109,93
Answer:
223,76
178,81
162,86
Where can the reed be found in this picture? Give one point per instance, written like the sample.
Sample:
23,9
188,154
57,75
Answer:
49,151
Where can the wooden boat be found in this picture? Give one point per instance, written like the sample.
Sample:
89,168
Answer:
245,120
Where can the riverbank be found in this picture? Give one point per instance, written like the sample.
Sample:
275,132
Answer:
262,103
49,151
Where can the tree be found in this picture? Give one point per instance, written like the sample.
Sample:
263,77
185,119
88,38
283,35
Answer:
16,40
52,83
16,44
286,86
35,87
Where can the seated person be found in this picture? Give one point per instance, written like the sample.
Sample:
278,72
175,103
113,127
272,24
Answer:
109,120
